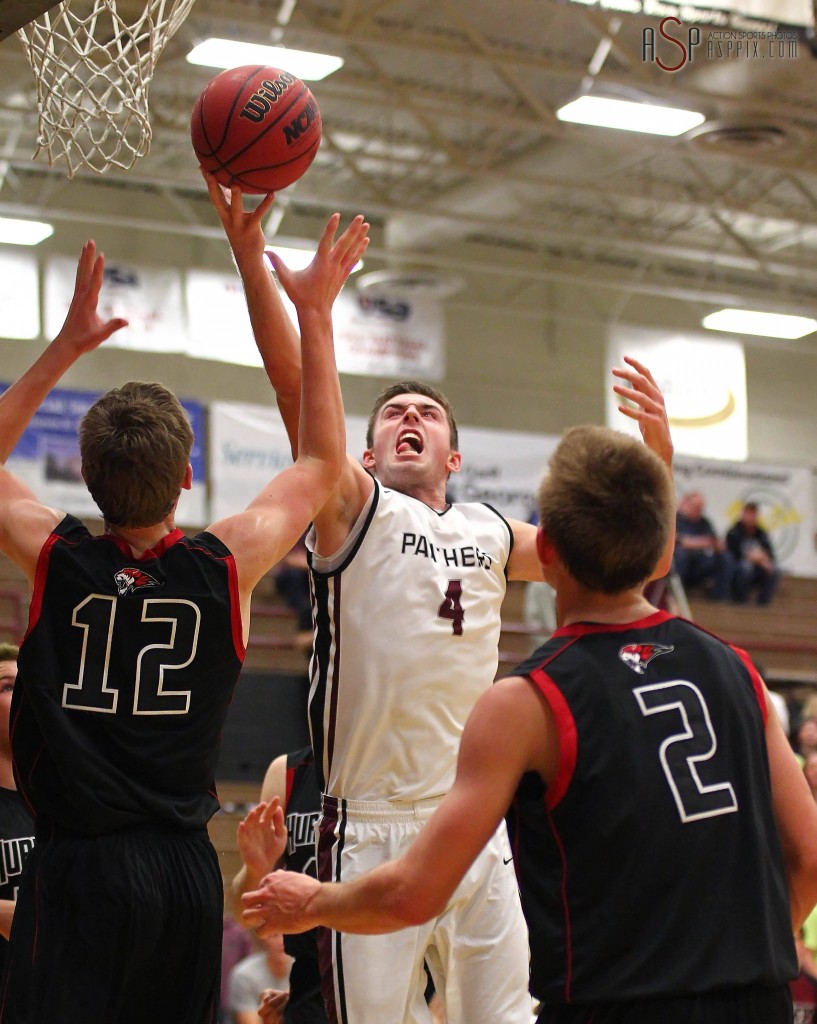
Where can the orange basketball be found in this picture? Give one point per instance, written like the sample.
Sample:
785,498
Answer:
256,127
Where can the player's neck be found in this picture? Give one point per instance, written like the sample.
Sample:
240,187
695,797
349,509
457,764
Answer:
142,538
434,497
6,773
575,603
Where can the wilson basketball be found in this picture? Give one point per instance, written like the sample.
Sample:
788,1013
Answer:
256,127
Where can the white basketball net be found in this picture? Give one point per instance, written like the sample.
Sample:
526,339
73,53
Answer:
93,74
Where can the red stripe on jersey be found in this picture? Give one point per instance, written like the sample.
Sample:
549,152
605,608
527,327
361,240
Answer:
565,905
583,628
757,682
288,787
568,740
158,548
235,609
40,574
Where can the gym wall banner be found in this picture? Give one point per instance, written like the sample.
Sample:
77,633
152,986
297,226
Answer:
374,335
47,457
784,495
149,299
703,382
248,447
19,294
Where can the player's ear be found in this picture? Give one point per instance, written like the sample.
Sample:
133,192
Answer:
187,481
453,462
368,459
544,547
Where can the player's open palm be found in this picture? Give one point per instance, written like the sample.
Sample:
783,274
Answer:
84,329
317,285
262,838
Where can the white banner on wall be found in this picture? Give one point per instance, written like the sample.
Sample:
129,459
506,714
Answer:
150,300
218,321
704,385
374,336
502,468
19,295
248,445
783,493
381,336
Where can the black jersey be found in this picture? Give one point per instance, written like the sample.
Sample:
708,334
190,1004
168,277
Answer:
303,803
652,864
16,842
125,676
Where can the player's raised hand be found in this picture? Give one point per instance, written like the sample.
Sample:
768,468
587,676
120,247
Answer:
644,403
317,285
243,227
84,329
262,839
280,904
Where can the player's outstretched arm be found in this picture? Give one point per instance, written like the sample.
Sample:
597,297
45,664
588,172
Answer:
272,523
24,522
275,334
82,331
510,731
644,403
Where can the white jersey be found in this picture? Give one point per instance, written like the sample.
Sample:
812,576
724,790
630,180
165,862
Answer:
407,632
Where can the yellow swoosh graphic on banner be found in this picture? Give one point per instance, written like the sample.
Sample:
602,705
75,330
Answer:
706,421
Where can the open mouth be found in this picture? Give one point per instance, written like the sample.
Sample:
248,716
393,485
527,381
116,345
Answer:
409,441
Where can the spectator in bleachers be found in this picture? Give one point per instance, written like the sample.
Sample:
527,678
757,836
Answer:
236,944
752,559
699,552
252,976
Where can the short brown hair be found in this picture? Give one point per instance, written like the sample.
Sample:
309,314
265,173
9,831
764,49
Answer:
606,503
9,652
135,443
412,387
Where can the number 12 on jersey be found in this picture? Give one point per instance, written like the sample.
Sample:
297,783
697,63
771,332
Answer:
451,608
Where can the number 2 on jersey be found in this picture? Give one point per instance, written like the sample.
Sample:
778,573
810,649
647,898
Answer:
681,752
451,608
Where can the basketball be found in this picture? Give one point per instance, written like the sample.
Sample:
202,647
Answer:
256,127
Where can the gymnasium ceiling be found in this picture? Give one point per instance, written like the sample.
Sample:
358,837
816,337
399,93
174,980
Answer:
441,128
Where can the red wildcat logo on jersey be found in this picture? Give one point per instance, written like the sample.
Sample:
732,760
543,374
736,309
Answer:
128,580
638,656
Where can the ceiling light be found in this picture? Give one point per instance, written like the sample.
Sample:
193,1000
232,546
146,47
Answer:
630,117
230,53
24,232
298,259
767,325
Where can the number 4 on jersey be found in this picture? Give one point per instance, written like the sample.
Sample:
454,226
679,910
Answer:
451,608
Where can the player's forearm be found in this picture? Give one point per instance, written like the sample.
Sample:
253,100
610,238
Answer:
378,902
321,428
19,403
277,340
6,917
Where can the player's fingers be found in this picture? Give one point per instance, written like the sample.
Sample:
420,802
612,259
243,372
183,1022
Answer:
263,206
642,369
327,239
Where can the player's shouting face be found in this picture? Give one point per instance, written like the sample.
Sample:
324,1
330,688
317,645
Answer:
412,444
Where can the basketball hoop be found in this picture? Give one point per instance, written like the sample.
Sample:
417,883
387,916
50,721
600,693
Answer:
93,74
